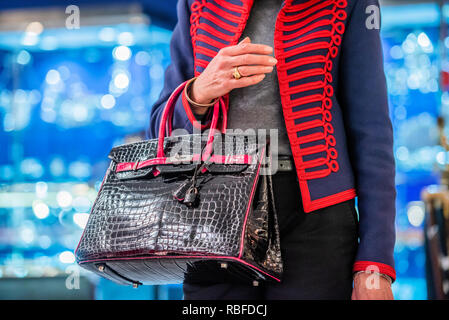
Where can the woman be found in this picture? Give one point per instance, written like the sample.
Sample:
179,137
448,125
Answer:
312,70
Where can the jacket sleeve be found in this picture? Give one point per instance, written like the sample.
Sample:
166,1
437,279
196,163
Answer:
363,98
180,70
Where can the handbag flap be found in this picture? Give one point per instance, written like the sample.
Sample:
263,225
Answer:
232,153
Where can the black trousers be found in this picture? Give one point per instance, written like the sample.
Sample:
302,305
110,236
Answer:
318,250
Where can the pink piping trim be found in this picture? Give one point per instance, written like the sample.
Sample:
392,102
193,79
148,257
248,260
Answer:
156,172
101,186
213,127
220,159
249,204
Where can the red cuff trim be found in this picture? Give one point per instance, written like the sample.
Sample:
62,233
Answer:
190,114
373,266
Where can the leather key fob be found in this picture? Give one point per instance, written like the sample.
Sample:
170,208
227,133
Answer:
180,192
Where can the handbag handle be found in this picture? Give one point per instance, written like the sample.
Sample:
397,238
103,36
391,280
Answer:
224,120
167,115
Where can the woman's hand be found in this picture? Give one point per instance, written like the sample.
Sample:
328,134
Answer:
253,62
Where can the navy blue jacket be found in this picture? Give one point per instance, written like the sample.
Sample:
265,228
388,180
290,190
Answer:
334,100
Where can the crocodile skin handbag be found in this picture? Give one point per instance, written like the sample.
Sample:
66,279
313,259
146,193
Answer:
171,205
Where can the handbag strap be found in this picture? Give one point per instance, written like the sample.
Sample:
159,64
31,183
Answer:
165,127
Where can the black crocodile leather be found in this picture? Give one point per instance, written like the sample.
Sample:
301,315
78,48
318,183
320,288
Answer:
139,233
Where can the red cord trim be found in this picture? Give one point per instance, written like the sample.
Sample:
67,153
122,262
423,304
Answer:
311,19
212,30
243,10
305,113
313,205
311,137
303,87
301,6
303,75
301,127
302,15
228,16
300,62
368,266
206,51
210,41
228,27
313,36
202,63
308,17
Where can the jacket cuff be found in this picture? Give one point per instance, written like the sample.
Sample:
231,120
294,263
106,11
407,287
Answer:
371,266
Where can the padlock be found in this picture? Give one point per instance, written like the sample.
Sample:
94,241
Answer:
192,197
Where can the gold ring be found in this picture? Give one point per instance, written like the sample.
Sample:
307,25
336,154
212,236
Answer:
237,74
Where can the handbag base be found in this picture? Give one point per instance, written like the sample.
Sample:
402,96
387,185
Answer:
176,269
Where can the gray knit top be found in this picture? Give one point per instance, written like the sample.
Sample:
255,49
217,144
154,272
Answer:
259,106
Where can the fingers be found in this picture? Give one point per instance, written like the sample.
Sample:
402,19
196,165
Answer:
246,71
247,47
246,81
246,40
252,59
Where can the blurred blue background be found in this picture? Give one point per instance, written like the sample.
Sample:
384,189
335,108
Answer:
68,96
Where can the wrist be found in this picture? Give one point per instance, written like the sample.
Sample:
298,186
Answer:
198,110
196,95
369,273
195,106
